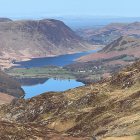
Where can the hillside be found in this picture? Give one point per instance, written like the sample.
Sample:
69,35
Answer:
126,47
22,40
9,88
16,131
121,52
110,32
108,109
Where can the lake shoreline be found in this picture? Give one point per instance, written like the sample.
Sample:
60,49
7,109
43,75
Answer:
42,70
50,85
95,47
53,60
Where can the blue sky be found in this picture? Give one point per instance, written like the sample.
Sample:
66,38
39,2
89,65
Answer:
38,8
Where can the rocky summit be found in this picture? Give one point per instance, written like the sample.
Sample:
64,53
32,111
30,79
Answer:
107,110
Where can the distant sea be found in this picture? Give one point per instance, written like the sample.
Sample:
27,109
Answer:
82,22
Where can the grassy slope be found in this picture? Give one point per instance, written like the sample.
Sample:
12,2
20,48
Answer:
110,108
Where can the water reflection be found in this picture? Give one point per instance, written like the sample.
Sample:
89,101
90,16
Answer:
50,85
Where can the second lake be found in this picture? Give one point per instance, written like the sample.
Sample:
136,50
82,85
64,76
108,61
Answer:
54,85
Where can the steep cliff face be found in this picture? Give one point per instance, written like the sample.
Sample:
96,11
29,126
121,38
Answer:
20,40
109,108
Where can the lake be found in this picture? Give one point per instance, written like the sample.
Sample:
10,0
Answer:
50,85
60,60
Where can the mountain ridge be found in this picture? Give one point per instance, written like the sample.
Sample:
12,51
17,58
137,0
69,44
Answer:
124,45
110,32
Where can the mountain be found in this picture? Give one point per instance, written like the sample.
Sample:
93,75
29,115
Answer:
122,44
5,20
21,40
107,109
119,53
125,47
9,88
111,32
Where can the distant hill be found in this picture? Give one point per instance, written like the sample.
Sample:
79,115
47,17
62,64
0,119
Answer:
110,32
121,52
128,46
21,40
5,20
122,44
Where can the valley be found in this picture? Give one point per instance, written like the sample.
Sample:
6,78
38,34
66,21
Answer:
114,56
47,37
86,67
85,91
70,70
40,72
49,67
109,108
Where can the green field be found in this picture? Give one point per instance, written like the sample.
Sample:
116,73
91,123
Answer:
43,72
53,72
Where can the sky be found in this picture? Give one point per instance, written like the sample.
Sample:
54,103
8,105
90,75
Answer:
50,8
